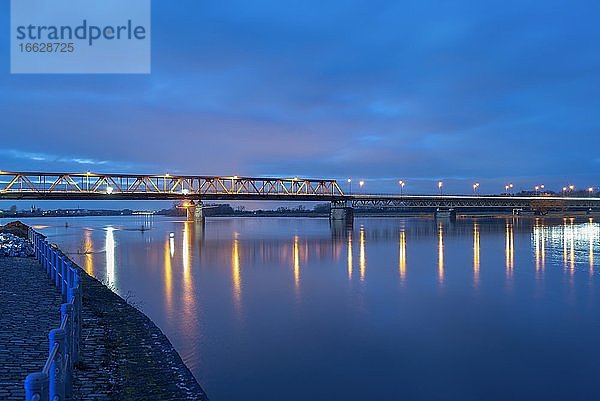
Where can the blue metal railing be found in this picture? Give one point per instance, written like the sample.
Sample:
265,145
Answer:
55,381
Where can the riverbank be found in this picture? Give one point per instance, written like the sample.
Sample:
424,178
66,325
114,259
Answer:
124,355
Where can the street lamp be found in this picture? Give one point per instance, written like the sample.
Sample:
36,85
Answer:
590,190
440,185
571,188
475,187
537,188
402,183
361,184
564,190
350,183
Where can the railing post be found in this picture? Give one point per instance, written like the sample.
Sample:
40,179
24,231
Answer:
57,269
73,297
45,257
51,262
36,387
63,276
66,312
57,368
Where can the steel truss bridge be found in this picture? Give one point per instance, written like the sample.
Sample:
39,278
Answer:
505,203
91,186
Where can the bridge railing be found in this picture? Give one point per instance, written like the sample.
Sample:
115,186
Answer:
55,381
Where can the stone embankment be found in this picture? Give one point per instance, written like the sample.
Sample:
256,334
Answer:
124,355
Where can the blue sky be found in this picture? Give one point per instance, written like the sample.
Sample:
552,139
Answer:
464,91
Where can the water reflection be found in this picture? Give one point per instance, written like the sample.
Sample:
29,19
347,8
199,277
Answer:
591,236
440,253
110,256
193,288
88,251
235,272
509,248
168,255
186,256
296,263
362,254
476,262
350,256
402,256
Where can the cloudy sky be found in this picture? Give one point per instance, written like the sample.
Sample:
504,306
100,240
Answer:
464,91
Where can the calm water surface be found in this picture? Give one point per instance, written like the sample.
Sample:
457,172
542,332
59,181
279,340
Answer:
393,309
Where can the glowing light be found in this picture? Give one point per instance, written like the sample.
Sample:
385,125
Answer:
109,190
185,191
361,183
349,180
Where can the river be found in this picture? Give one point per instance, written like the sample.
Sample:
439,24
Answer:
391,309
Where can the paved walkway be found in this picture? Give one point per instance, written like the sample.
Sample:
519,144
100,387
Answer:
29,309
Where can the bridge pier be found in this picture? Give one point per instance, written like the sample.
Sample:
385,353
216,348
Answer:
194,212
340,211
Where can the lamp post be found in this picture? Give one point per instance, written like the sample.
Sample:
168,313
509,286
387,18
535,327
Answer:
350,183
361,184
440,185
590,190
564,190
402,183
475,187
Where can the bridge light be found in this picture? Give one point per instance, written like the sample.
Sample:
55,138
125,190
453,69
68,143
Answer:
167,175
571,188
440,185
235,177
185,191
361,183
109,190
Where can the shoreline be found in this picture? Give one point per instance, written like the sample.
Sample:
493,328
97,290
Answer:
125,356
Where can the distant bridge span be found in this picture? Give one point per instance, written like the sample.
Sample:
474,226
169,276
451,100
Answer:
91,186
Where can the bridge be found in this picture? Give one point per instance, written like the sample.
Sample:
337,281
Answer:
193,190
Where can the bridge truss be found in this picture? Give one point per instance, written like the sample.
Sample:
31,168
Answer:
513,203
84,186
